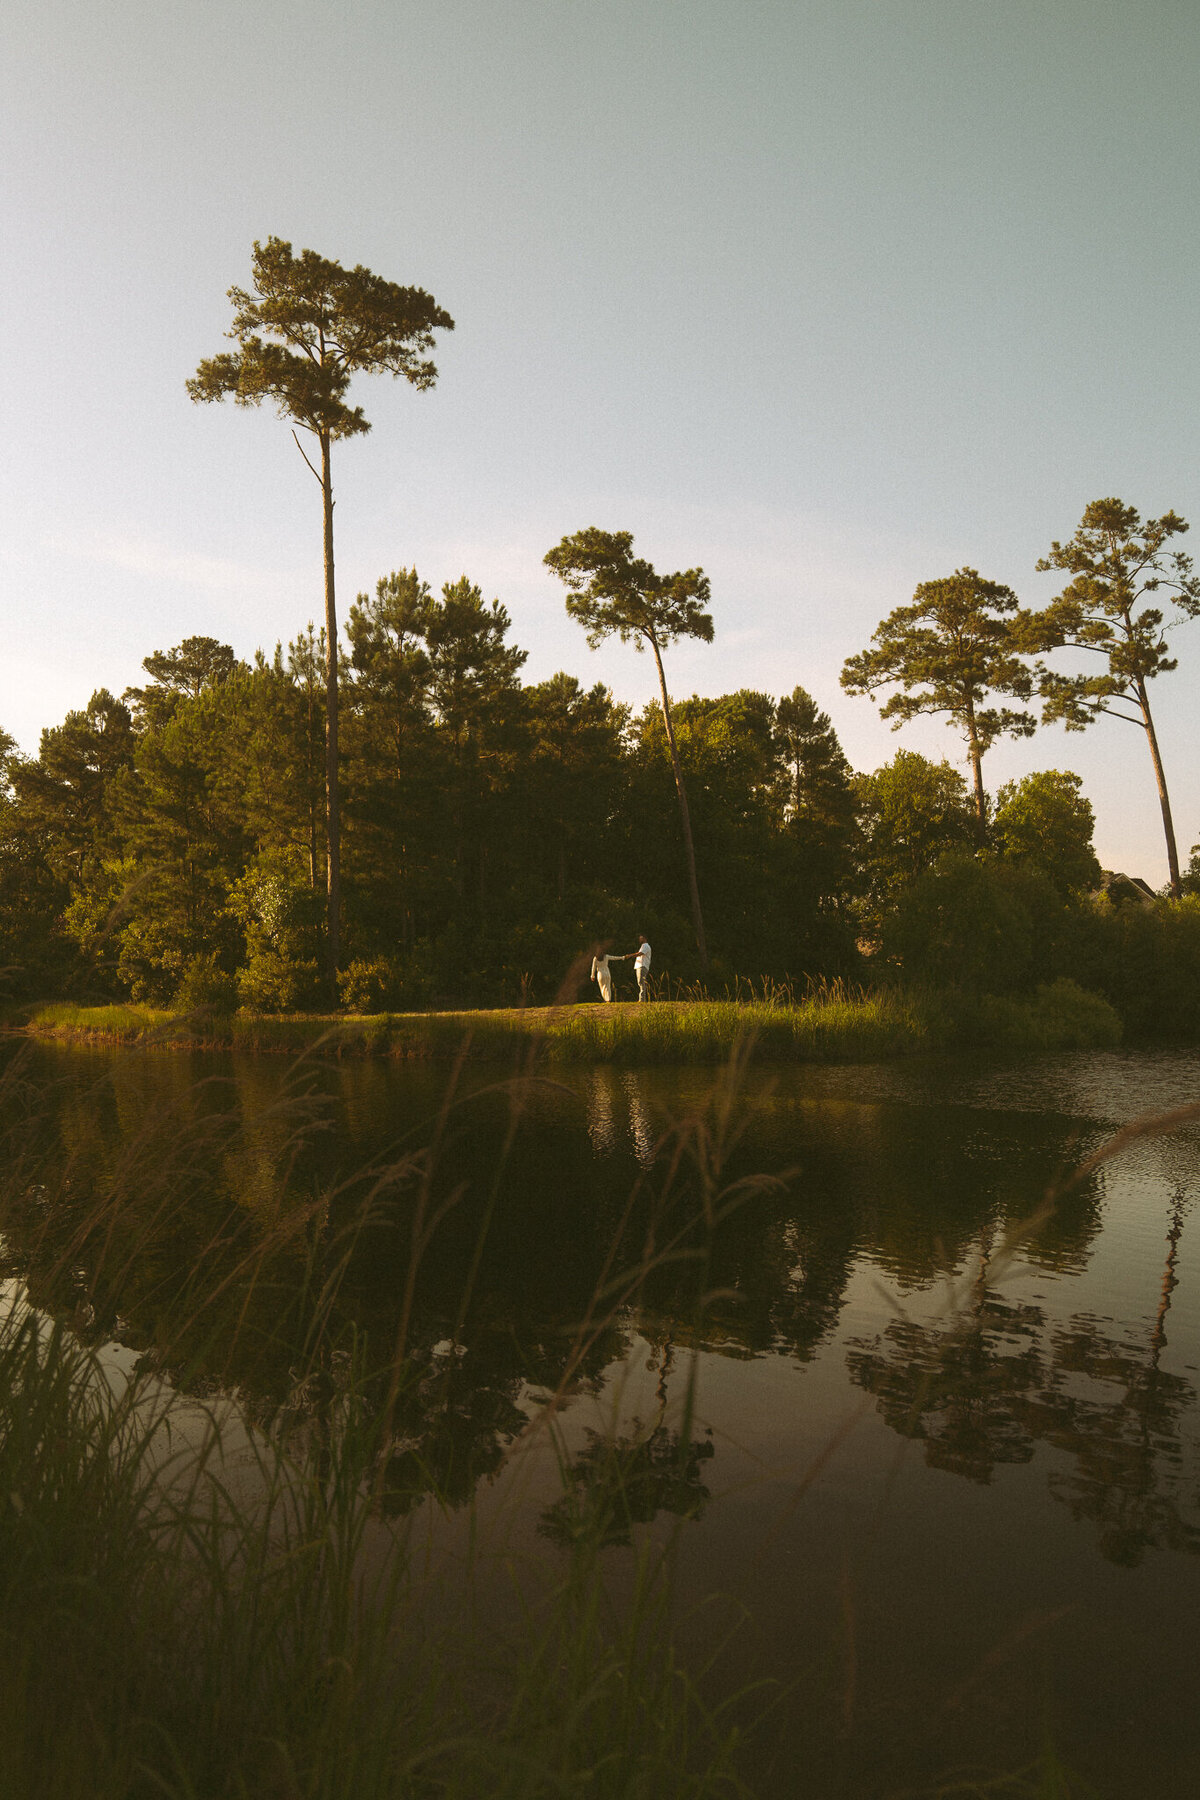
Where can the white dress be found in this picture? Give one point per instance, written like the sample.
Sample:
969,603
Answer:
603,974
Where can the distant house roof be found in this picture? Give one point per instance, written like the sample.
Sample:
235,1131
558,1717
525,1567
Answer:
1122,888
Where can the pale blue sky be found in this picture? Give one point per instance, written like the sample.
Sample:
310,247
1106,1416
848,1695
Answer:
829,296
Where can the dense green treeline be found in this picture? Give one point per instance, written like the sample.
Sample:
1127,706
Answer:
173,840
169,846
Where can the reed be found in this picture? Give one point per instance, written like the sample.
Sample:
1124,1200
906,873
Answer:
204,1596
208,1598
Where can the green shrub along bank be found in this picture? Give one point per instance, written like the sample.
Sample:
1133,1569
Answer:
1145,960
834,1025
990,927
979,950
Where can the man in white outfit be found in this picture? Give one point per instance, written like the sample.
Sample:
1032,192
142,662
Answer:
641,967
603,974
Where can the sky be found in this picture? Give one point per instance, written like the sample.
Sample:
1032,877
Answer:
829,297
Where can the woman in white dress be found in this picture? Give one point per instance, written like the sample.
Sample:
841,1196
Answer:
603,974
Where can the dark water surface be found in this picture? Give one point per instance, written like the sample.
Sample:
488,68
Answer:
954,1484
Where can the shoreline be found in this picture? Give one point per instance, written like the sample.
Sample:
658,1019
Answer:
830,1027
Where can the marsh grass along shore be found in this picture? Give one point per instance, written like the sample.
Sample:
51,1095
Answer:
834,1024
202,1600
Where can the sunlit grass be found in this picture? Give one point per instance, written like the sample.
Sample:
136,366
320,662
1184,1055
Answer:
831,1022
831,1025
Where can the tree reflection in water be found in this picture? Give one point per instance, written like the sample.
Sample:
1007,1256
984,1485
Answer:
1126,1433
622,1479
237,1229
477,1273
617,1482
961,1385
982,1386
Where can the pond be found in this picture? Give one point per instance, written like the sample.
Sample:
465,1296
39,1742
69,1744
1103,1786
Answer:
930,1436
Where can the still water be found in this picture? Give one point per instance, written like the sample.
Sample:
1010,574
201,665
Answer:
933,1439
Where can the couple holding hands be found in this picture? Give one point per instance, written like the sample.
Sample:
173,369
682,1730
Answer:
602,973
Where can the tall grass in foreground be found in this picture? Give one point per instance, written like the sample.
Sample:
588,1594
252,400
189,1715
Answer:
179,1618
209,1598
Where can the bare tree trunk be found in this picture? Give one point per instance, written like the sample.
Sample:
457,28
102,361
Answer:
980,796
697,918
1160,778
332,812
975,757
308,773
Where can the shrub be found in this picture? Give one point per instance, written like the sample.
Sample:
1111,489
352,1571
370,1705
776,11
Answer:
282,917
1146,961
206,983
981,925
370,985
1059,1016
272,981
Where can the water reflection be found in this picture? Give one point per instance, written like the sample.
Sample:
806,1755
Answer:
490,1243
619,1114
960,1385
1124,1418
992,1378
449,1428
619,1481
602,1111
473,1250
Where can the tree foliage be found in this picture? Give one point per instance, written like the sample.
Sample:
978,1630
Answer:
610,590
167,846
913,811
959,641
981,924
307,327
1045,822
196,664
1115,561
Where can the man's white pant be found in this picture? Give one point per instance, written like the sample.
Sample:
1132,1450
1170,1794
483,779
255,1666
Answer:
643,984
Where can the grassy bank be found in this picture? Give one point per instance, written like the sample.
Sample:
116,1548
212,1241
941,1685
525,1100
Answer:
831,1025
